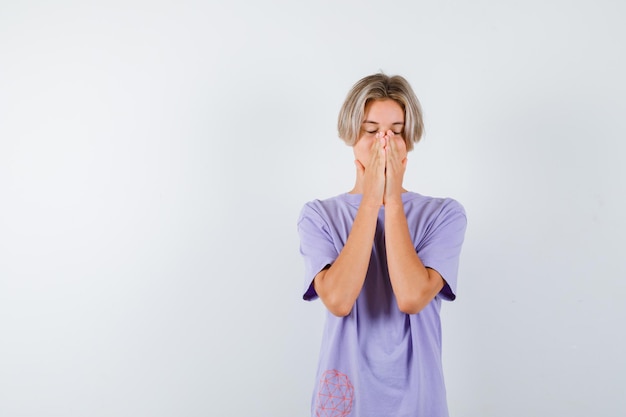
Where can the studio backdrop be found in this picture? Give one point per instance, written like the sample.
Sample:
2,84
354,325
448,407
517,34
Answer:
154,158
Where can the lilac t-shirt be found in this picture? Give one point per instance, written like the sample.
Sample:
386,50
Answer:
378,361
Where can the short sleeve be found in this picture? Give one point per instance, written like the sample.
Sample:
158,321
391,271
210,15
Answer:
440,248
316,247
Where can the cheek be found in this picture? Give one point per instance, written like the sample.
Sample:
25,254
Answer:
359,155
362,149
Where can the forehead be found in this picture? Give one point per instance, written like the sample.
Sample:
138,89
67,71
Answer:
383,111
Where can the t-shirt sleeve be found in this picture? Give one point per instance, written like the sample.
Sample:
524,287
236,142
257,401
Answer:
440,247
316,247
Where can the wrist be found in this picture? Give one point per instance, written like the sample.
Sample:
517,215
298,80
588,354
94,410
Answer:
370,204
394,206
393,201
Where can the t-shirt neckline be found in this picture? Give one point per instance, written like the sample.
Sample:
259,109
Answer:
355,199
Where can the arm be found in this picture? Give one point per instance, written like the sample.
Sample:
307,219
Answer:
413,284
339,285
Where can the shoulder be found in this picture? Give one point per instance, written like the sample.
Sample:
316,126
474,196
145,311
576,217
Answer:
327,205
321,209
428,213
433,205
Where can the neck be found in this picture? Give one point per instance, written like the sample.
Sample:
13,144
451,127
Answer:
358,188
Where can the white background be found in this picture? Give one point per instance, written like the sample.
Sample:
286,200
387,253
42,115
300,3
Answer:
154,157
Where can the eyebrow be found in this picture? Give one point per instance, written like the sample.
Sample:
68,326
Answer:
375,123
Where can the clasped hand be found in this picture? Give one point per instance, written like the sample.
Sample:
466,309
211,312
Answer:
382,175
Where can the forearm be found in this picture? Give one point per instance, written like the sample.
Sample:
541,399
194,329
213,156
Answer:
413,284
340,285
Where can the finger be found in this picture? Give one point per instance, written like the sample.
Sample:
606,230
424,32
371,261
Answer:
381,144
390,151
381,157
401,145
377,156
381,139
374,150
385,138
399,149
391,145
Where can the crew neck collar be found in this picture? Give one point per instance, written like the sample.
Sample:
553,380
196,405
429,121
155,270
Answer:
355,199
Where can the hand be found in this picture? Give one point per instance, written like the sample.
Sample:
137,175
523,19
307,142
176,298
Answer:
373,176
395,166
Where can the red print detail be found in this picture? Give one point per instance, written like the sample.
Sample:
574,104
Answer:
334,397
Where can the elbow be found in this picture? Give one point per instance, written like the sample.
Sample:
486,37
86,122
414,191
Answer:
339,308
339,305
414,304
410,308
415,300
341,312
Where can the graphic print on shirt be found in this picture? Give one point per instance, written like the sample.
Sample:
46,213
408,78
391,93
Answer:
334,395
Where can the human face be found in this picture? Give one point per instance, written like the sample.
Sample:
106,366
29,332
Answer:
380,116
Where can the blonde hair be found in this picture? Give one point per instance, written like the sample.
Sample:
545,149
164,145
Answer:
379,87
